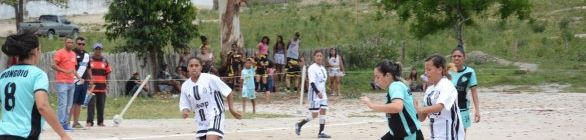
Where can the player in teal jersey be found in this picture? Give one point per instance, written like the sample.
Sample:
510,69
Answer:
400,106
464,79
23,92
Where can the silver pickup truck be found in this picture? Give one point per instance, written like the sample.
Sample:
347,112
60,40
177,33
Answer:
51,25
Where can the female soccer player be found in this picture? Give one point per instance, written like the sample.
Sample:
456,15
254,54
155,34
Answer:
440,104
318,100
400,108
465,79
24,92
202,94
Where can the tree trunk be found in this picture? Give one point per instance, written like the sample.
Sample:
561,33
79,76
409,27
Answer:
458,31
18,13
229,26
154,55
215,7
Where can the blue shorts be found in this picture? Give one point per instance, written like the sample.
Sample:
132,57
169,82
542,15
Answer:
248,93
466,118
79,93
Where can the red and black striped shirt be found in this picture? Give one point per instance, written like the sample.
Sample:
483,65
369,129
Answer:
100,70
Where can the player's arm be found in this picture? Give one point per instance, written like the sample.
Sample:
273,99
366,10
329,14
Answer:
431,109
59,69
476,104
184,105
394,107
234,113
42,102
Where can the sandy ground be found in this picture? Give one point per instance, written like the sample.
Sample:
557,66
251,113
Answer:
509,112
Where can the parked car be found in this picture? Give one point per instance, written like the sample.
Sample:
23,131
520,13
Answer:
51,25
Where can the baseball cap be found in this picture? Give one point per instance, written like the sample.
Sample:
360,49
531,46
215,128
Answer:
98,45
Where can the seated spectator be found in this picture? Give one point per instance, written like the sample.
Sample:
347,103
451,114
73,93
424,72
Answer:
166,82
133,84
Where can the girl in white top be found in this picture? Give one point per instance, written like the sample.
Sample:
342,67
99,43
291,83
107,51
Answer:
201,94
336,71
440,104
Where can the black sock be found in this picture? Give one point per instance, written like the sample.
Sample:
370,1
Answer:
303,122
321,128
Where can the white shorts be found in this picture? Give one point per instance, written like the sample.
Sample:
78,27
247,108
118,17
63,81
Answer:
280,59
335,72
315,106
211,126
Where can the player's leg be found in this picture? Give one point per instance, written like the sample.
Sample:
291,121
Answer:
322,119
338,82
253,106
216,128
100,105
314,112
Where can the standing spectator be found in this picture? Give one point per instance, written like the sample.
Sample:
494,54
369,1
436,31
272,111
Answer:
263,46
336,71
412,80
279,51
81,87
261,72
64,65
293,48
234,65
100,69
206,56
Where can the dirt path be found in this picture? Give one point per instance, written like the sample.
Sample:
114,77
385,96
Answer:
522,65
507,113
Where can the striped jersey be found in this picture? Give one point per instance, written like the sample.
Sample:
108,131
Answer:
317,74
100,70
446,124
18,85
464,80
204,96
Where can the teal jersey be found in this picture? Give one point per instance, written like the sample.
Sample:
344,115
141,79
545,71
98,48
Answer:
463,80
248,78
20,116
404,122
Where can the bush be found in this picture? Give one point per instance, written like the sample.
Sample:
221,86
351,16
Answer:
368,54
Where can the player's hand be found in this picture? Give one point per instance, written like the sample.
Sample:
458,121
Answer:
66,137
319,96
476,117
81,80
185,114
236,114
365,100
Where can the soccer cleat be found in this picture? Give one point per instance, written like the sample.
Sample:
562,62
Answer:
323,135
297,129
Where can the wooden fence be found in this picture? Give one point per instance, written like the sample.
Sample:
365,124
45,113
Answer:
124,64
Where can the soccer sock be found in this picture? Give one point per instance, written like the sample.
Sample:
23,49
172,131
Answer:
304,121
322,123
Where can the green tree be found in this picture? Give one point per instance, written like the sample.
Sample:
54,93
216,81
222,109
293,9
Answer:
429,16
149,26
19,8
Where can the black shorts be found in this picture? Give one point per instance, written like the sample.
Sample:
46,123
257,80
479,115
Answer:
80,93
10,137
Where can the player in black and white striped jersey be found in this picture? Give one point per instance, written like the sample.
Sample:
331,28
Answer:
202,94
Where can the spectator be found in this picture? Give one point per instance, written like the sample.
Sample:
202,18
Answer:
64,65
206,56
412,80
234,65
133,84
263,46
166,83
100,69
336,71
293,48
279,51
261,72
81,88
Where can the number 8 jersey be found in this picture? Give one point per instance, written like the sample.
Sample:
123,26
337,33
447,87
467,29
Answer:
204,96
18,85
